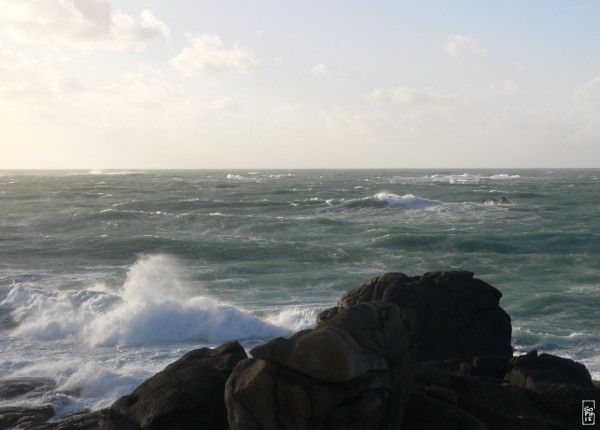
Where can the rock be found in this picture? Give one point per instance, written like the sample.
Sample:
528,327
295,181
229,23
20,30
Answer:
547,368
353,371
86,420
356,370
426,412
15,417
15,387
530,391
189,393
458,316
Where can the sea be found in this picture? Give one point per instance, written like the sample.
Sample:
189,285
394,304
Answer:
108,276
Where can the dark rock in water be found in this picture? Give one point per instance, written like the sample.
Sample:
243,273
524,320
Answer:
527,370
86,420
353,371
457,316
11,388
14,417
188,394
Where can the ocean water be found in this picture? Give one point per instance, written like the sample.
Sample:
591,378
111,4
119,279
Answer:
107,276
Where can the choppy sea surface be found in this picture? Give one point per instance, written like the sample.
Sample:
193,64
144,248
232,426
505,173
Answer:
107,276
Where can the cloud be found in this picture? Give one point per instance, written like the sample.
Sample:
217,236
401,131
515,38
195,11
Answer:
207,55
319,70
507,87
22,77
585,111
521,67
405,95
85,24
460,45
340,120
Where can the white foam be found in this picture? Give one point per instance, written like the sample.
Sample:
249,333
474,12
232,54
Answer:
235,177
503,176
467,178
282,175
295,319
113,172
157,304
407,201
464,178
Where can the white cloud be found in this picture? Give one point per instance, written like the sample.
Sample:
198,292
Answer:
85,24
319,70
22,77
340,120
226,104
521,67
460,45
585,112
507,87
405,95
588,94
207,55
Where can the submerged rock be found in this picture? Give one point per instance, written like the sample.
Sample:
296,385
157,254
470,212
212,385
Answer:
353,371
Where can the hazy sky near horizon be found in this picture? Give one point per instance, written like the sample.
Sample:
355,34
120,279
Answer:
299,84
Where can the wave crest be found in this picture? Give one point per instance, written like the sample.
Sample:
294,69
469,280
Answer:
407,201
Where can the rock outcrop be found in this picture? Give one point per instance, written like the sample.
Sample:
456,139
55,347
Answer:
187,394
15,417
353,371
526,392
458,316
425,352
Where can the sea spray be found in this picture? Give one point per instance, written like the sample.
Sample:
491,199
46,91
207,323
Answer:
157,304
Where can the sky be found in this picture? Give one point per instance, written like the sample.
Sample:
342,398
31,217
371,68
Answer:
132,84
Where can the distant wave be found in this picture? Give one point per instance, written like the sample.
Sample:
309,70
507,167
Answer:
467,178
505,176
114,172
155,305
407,201
380,200
258,176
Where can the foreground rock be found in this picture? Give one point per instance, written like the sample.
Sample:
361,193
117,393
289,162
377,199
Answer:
187,394
527,392
356,370
14,417
457,316
353,371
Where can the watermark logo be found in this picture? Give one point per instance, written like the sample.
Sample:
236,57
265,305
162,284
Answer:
588,412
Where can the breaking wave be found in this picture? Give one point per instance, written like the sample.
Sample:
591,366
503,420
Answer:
157,304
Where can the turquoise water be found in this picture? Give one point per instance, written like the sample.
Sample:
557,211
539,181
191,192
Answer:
107,276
